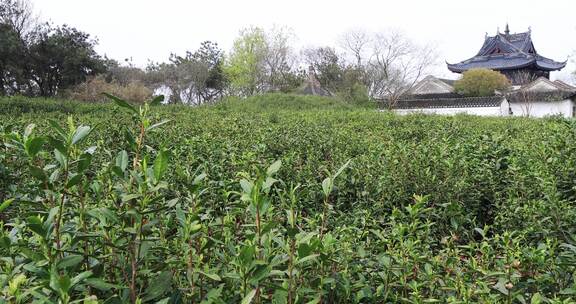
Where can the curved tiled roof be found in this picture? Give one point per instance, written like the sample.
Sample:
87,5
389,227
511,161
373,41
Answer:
528,96
418,102
506,52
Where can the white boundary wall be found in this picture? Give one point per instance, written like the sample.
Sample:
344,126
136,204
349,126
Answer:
543,108
501,110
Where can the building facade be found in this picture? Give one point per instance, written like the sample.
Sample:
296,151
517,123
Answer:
539,98
532,94
514,55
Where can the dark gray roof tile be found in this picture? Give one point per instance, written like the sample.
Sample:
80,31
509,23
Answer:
460,102
504,52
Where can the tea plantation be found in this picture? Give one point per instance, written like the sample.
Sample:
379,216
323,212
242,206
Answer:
282,199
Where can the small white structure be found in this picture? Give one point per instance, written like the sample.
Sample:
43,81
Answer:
542,98
539,98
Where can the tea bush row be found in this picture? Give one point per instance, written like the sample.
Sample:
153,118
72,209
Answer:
282,199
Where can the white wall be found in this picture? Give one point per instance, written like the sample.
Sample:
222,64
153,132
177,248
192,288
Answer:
480,111
543,109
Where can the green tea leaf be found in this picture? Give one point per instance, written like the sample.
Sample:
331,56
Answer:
249,297
57,128
160,165
307,259
342,169
159,286
246,186
80,277
28,131
38,173
84,162
154,126
99,284
121,103
6,204
70,261
80,134
35,224
247,254
60,284
212,276
5,242
274,168
327,186
75,180
537,298
157,100
61,158
34,145
122,160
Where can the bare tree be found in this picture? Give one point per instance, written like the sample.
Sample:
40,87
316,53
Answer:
279,58
19,14
396,65
524,96
356,42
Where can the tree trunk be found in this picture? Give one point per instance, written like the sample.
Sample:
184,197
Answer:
2,84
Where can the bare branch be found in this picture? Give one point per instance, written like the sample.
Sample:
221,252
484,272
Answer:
396,65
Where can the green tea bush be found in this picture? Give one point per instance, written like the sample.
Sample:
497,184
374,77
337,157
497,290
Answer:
282,199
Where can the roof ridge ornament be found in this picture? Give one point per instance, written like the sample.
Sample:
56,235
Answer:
508,53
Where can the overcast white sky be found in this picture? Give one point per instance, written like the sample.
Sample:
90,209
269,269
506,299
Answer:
152,29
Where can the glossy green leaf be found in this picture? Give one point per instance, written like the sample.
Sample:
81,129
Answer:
249,297
122,160
80,134
159,285
327,186
28,130
154,126
61,158
157,100
160,165
212,276
34,145
70,261
273,169
80,277
121,103
6,204
99,284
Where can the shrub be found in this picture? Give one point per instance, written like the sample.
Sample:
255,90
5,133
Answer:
481,82
282,199
356,93
92,90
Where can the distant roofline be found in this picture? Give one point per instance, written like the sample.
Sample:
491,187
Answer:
507,48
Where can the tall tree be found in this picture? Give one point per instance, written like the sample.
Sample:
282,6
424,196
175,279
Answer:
17,21
280,60
246,69
124,74
60,58
356,42
195,78
12,52
328,65
210,82
19,15
396,65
